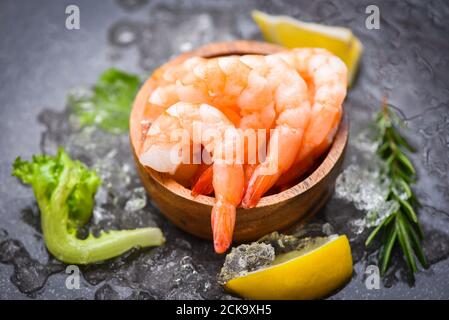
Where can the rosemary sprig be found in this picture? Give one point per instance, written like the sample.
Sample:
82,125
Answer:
402,227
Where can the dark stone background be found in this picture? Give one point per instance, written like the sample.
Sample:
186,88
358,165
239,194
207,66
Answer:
407,59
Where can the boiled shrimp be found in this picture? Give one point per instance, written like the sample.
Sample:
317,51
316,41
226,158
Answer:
292,109
326,77
228,178
274,96
166,92
299,93
219,82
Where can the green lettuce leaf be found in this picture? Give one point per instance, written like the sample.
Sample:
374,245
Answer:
109,105
65,190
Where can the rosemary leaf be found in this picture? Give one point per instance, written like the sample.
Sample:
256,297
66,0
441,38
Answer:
401,141
383,148
397,171
406,162
373,234
417,245
404,242
387,248
408,209
401,173
390,160
405,187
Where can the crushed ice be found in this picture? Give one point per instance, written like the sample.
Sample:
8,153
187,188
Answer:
246,258
365,186
137,201
362,187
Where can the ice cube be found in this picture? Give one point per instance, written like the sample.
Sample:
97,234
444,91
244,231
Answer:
246,258
137,201
367,190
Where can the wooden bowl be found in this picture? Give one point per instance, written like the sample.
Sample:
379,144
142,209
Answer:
274,212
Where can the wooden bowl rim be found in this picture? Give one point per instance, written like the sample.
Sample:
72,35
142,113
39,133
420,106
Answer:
251,47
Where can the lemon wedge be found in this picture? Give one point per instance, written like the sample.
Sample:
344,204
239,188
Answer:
313,272
292,33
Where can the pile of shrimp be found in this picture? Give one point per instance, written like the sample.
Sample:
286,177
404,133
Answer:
298,93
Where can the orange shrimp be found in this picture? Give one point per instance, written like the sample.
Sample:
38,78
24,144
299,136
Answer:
292,107
324,74
299,93
163,147
203,181
223,80
269,85
166,94
326,77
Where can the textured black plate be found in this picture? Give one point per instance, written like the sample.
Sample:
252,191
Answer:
40,61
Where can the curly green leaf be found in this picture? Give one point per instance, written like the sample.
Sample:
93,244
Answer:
65,190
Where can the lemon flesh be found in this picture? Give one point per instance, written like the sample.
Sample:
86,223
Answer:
311,273
292,33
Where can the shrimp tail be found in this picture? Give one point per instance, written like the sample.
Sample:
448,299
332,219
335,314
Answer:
258,185
268,172
223,221
204,183
249,170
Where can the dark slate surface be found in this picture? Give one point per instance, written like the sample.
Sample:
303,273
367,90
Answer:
40,61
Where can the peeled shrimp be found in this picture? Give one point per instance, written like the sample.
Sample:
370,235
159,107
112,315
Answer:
163,145
326,76
292,111
274,96
297,93
166,93
217,82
